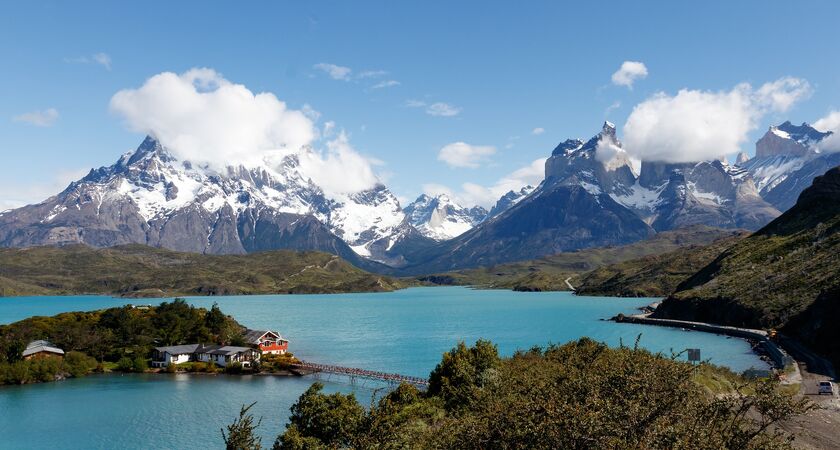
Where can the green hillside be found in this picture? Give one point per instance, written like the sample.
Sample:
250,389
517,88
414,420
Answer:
137,270
653,275
786,275
549,273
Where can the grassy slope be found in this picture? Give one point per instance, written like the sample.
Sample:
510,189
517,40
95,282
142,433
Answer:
653,275
786,275
549,273
137,270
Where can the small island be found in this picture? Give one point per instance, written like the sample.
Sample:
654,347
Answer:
172,337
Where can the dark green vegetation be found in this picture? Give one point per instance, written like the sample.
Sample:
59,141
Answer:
121,338
579,395
653,275
785,276
137,270
549,273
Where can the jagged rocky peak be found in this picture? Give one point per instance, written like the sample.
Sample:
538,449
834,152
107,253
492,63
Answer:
789,139
575,162
441,218
508,200
741,158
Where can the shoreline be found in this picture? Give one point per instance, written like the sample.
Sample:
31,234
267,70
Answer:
781,360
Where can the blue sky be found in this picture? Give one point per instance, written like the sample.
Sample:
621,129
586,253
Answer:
505,68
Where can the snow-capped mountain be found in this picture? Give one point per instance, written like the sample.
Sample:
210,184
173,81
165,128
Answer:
786,161
441,218
150,197
508,200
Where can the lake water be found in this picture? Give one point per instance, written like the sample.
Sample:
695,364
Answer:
404,332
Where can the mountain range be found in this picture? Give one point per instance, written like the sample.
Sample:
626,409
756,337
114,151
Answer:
592,195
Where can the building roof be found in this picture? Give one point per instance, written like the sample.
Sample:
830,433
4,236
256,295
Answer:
230,350
179,349
253,336
41,346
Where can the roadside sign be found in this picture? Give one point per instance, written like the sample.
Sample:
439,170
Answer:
694,354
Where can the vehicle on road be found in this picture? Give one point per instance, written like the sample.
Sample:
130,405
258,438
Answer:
826,387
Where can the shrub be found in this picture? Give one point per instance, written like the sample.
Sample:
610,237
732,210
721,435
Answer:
234,368
78,364
125,364
139,364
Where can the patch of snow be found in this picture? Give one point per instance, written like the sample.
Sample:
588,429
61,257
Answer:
640,197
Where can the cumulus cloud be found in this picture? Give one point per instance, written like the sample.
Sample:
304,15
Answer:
475,194
42,118
334,71
442,109
372,74
610,154
201,117
696,125
831,122
385,84
628,73
461,154
538,131
37,188
340,170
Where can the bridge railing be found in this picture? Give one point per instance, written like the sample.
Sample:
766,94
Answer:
363,373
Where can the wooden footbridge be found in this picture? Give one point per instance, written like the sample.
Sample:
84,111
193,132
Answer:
353,374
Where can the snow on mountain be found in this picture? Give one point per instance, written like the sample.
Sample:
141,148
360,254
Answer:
508,200
440,218
152,198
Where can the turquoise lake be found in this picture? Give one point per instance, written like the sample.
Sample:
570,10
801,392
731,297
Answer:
404,332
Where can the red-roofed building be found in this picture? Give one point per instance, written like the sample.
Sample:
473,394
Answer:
267,341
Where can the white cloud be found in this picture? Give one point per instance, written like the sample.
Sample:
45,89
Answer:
613,106
103,59
538,131
461,154
696,125
411,103
442,109
629,72
486,196
334,71
831,122
372,74
340,170
42,118
13,195
201,117
385,84
310,112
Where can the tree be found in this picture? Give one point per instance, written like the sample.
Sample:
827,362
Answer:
240,434
462,371
215,320
332,420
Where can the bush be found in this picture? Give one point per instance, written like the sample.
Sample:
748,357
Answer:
78,364
234,368
125,364
172,368
139,364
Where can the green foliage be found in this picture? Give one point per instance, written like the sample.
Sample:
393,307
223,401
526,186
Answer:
141,271
78,364
124,335
550,272
234,368
240,434
463,371
579,395
277,363
332,420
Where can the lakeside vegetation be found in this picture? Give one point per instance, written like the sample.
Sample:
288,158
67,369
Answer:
579,395
549,273
118,339
785,276
142,271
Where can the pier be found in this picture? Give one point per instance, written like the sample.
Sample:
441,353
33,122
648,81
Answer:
354,373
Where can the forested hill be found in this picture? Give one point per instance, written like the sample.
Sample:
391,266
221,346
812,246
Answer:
137,270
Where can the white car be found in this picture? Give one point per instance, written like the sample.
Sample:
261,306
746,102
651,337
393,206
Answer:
826,387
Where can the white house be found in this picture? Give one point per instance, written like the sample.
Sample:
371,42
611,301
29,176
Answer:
220,355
